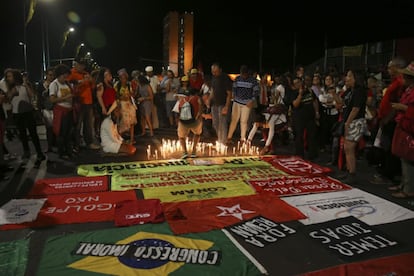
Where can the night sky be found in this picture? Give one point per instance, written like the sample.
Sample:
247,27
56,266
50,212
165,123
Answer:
124,33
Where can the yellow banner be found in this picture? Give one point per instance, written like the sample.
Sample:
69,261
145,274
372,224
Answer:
167,165
352,51
200,192
213,174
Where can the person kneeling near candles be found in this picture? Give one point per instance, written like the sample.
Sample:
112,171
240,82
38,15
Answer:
111,140
189,110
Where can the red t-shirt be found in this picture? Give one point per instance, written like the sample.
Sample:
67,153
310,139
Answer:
392,95
108,96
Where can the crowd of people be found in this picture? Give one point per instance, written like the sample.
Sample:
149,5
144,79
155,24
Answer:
345,114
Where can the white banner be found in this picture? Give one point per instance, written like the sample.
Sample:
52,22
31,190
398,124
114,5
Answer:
20,210
366,207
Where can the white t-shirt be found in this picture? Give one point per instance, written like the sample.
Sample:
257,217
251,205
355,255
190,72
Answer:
23,96
154,82
60,90
110,139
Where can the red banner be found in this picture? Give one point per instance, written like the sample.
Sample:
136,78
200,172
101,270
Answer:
70,185
77,208
297,185
295,165
205,215
393,265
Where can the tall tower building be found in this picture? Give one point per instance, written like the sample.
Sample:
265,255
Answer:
178,41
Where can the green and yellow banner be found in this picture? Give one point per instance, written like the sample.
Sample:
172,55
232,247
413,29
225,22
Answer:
142,175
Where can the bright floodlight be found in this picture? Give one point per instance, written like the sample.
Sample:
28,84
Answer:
71,29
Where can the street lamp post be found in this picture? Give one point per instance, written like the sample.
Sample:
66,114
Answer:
24,54
65,38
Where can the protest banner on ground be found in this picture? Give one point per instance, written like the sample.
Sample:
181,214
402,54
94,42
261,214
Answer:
205,215
20,210
148,249
349,238
13,257
199,191
295,165
69,185
297,185
401,264
77,208
141,175
367,207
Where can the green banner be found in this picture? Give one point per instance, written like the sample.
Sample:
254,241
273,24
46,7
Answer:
141,175
149,249
13,257
167,165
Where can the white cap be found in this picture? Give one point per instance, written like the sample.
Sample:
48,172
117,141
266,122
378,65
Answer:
149,69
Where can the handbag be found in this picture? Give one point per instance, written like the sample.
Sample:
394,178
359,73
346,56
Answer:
24,107
403,144
337,129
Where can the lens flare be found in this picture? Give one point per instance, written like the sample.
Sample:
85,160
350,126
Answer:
73,17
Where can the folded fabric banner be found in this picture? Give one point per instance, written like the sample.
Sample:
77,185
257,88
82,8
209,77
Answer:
70,185
148,249
205,215
350,239
401,264
132,212
295,165
77,208
199,191
13,257
367,207
296,185
20,210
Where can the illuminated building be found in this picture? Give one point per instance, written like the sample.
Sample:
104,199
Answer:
178,42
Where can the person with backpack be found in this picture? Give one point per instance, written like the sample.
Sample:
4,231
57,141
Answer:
188,107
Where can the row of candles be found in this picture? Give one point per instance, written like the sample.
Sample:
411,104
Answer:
172,148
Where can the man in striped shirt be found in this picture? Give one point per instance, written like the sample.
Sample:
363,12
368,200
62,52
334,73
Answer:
245,91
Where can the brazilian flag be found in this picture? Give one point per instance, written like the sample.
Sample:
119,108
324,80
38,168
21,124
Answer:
13,257
149,249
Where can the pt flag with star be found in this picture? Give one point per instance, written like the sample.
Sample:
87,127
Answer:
206,215
149,249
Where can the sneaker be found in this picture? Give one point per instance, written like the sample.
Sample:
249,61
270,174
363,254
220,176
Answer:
184,156
193,155
379,180
94,146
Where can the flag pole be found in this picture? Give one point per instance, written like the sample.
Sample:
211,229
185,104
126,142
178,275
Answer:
25,34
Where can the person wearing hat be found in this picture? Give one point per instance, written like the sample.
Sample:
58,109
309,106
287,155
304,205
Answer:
405,123
154,82
196,79
111,140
